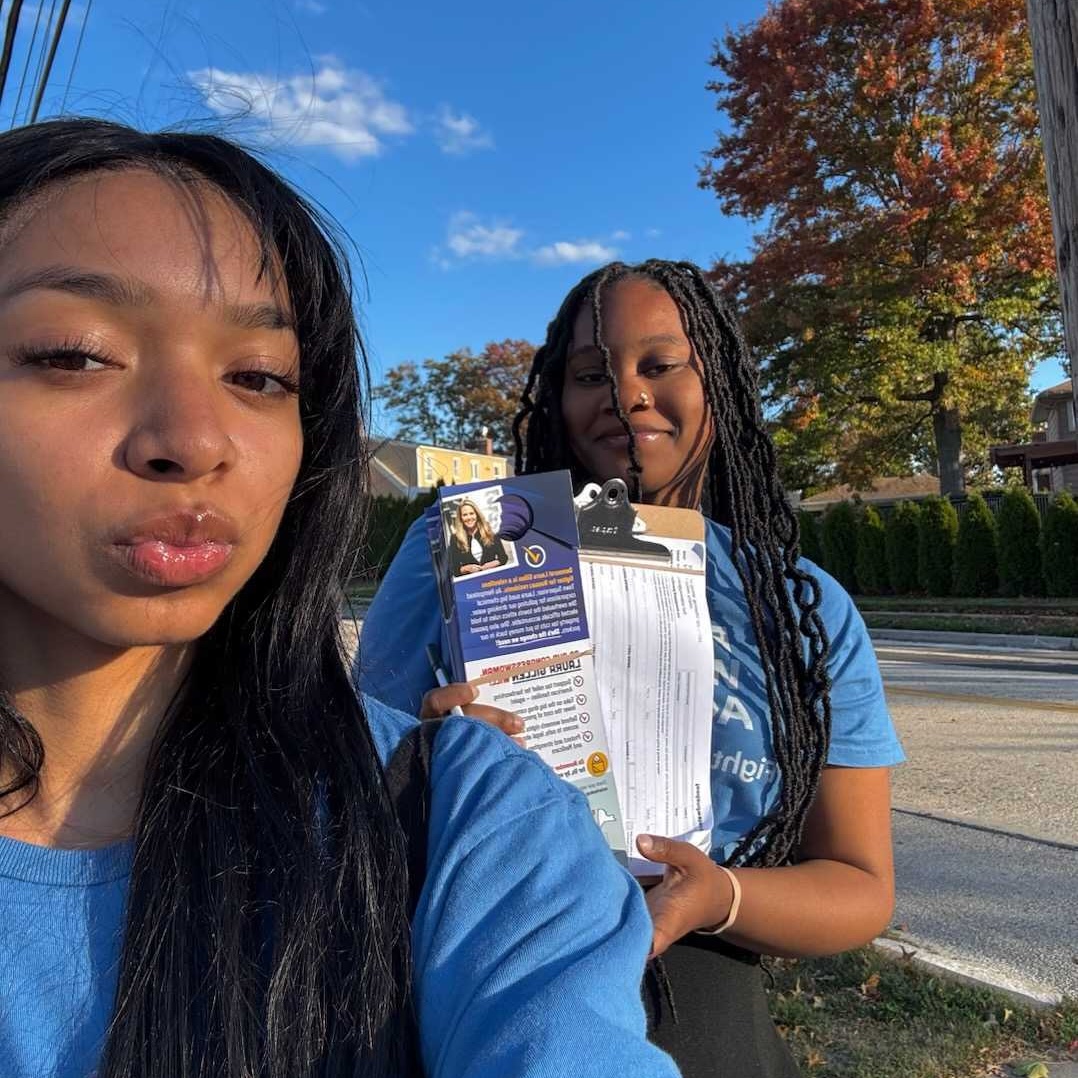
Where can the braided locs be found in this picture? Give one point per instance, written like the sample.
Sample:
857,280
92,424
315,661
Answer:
742,491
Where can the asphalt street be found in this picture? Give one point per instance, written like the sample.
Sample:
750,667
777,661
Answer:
986,820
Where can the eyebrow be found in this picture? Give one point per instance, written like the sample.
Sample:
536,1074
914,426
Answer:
125,292
642,342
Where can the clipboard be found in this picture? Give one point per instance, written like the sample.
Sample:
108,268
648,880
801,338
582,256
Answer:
644,572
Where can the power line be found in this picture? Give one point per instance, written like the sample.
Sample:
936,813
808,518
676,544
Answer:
9,42
54,45
27,62
78,50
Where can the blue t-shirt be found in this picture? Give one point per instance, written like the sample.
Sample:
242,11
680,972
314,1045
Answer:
404,617
528,943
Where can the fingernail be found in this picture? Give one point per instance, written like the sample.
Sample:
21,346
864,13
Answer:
474,688
644,843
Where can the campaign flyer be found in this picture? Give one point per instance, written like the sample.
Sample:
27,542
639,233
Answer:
506,556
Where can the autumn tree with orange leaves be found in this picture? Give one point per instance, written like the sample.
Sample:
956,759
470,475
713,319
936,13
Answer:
449,401
902,287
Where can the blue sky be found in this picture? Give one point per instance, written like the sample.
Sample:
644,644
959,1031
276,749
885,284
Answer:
483,156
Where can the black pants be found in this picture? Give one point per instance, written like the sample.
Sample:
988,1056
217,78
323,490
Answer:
723,1028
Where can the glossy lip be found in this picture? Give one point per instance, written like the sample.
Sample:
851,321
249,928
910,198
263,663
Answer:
641,434
176,549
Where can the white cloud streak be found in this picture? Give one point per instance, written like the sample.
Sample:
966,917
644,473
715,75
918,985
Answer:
341,108
458,133
569,252
469,238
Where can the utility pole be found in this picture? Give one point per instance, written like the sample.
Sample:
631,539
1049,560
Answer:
1053,29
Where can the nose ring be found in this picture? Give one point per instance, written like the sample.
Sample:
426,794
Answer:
645,400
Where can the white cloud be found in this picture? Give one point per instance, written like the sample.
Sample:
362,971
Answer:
621,235
566,252
468,238
341,108
459,133
312,7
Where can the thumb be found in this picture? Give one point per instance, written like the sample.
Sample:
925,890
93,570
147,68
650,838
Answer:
667,851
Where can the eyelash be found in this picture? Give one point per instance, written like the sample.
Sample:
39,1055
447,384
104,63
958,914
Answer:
598,377
40,356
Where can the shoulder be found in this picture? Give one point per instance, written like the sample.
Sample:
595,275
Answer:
474,764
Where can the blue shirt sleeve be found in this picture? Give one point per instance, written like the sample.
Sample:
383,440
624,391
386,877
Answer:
405,616
529,939
862,733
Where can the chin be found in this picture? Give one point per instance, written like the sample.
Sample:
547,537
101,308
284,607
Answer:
153,623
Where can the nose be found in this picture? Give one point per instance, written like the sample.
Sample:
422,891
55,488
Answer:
633,394
181,433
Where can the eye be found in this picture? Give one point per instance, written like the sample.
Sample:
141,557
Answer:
592,377
662,367
264,384
68,358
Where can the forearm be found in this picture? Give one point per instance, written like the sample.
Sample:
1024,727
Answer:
813,908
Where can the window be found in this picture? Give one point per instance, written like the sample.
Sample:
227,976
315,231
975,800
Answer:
498,471
475,469
456,467
1068,416
428,470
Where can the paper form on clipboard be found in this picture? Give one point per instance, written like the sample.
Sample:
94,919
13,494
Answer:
643,570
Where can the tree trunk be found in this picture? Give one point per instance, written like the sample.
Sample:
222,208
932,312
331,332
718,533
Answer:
947,431
1053,28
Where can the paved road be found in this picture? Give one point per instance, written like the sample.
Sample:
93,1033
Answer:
992,740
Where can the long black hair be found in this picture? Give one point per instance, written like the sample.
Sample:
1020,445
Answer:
265,931
742,491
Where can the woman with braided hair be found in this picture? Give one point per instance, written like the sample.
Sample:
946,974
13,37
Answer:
644,376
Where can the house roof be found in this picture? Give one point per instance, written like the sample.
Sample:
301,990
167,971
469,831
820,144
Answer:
1061,390
883,489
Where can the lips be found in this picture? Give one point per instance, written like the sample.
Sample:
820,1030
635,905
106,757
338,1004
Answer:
641,435
176,550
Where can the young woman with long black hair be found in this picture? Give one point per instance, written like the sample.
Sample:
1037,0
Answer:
644,375
201,871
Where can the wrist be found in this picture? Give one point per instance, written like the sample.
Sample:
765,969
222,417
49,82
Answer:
729,903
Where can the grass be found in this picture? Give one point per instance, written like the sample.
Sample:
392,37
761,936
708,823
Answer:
969,606
864,1015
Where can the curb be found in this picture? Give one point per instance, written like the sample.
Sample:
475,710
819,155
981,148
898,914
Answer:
984,640
967,972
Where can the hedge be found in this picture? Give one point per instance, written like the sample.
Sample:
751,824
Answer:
936,535
811,547
900,533
840,544
872,575
975,560
1019,534
387,520
1060,547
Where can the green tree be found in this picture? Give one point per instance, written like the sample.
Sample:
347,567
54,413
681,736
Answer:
901,535
449,401
975,557
871,552
937,532
811,546
903,286
839,536
1019,533
1060,547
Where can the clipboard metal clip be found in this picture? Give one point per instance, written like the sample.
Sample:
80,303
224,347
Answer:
606,525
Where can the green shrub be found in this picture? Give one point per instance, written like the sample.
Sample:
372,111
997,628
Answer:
387,520
900,534
975,564
872,575
1019,536
936,535
1060,547
811,547
839,536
